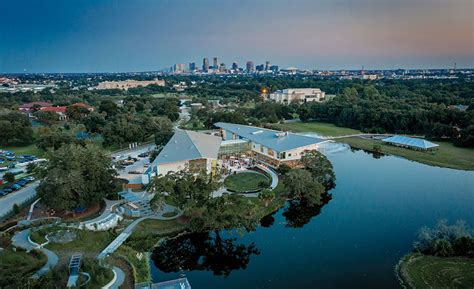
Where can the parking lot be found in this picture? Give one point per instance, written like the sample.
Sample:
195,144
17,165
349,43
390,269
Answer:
15,165
138,163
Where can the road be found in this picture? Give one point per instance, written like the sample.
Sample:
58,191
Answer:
18,197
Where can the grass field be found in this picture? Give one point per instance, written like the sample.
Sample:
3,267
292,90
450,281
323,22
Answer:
31,149
321,128
446,155
419,271
244,182
87,242
18,264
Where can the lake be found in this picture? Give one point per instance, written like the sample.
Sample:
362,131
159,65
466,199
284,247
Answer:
356,240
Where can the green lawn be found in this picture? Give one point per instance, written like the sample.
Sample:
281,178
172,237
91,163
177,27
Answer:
446,155
140,266
15,266
31,149
86,242
321,128
244,182
420,271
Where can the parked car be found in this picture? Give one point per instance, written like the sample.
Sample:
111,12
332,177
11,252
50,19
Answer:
143,155
30,178
15,187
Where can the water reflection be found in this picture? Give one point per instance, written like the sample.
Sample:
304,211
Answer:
297,214
203,251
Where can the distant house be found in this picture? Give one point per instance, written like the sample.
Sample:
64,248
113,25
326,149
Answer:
126,84
298,95
60,110
29,108
86,106
410,142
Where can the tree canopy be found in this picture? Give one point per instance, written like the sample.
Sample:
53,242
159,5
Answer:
76,177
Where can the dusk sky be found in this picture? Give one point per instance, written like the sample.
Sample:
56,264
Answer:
144,35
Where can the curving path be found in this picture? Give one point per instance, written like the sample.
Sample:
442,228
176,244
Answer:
263,167
115,244
22,240
117,280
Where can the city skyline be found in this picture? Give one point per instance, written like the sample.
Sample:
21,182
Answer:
96,36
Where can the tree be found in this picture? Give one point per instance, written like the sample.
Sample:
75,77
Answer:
301,186
109,107
15,129
320,168
283,169
9,177
77,176
266,196
158,201
53,137
442,248
47,116
94,122
304,113
444,239
16,209
203,251
466,138
76,112
163,130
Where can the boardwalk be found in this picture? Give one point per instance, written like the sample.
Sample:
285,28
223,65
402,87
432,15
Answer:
115,244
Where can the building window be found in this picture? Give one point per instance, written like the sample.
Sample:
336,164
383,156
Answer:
270,152
261,149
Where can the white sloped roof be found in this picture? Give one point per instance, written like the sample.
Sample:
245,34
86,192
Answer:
410,141
187,145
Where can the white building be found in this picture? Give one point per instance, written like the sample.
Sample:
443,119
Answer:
299,95
186,150
126,84
272,146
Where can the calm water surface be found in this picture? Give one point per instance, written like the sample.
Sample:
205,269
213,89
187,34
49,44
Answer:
358,237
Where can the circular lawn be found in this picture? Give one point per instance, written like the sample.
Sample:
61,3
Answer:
245,182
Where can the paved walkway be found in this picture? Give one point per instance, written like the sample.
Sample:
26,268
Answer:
106,220
32,207
115,244
22,240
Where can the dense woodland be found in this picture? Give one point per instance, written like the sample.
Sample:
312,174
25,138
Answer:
419,107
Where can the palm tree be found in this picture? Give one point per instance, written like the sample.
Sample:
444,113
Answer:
266,196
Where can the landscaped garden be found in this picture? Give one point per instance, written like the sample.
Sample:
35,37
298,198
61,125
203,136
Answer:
246,182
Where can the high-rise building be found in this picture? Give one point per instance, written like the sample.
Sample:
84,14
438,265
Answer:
250,66
205,65
222,67
260,67
215,64
267,65
274,68
179,68
235,66
192,66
